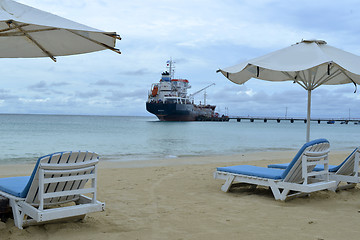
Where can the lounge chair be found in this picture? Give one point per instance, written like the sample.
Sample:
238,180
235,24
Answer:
346,172
297,179
56,179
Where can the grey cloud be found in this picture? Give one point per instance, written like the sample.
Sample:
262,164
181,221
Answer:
45,86
5,94
118,95
138,72
59,84
87,94
39,85
108,83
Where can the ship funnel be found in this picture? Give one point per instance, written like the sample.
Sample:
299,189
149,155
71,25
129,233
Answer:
165,76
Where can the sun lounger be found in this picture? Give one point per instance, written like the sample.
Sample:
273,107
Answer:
298,178
57,178
346,172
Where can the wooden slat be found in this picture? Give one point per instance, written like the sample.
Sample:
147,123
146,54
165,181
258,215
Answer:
69,193
65,158
72,171
75,156
68,166
70,178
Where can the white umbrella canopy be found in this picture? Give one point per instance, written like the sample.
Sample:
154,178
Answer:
27,32
310,63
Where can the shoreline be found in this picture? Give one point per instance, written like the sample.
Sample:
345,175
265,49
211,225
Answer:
191,160
181,200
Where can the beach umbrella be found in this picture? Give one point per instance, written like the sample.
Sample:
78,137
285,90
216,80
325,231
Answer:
27,32
309,63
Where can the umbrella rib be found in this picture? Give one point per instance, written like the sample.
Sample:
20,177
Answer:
323,81
307,84
314,77
348,77
295,79
12,28
311,82
32,40
335,74
304,83
297,75
320,81
97,42
116,36
2,34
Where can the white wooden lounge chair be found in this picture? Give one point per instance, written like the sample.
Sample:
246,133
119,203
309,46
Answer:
346,172
57,178
298,178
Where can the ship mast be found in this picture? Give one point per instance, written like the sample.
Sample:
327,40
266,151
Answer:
170,66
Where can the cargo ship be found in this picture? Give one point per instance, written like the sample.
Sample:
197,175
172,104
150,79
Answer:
169,100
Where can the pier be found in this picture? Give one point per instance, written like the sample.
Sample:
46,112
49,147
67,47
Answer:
292,120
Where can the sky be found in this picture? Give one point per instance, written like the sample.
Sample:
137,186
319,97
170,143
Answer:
201,36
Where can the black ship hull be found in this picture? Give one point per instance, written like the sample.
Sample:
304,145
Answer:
172,111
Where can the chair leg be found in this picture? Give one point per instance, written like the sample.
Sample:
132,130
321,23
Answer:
17,213
284,194
227,185
276,191
334,189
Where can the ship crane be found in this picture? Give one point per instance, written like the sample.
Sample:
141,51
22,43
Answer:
193,94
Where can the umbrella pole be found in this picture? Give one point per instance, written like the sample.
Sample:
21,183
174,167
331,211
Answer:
308,117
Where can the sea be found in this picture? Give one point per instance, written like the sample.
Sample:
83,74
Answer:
24,138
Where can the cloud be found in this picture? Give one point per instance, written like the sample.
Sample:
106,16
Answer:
86,94
136,72
108,83
48,88
129,96
46,85
39,85
201,36
37,100
5,95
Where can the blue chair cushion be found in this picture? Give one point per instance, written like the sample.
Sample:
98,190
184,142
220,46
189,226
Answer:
15,185
255,171
316,168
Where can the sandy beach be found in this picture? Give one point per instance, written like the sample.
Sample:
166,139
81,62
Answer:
179,199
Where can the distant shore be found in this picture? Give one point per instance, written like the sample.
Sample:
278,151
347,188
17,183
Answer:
179,199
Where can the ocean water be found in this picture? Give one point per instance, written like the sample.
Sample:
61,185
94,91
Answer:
26,137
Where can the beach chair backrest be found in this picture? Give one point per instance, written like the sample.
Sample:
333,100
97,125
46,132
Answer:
59,177
350,165
294,172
